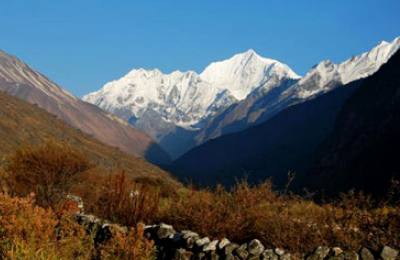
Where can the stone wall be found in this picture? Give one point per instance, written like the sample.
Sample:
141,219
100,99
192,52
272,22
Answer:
188,245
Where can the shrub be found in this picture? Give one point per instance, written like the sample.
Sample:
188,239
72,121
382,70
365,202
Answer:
284,220
47,170
130,246
31,232
122,200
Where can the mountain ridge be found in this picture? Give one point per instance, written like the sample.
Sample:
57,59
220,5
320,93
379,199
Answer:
20,80
23,124
185,101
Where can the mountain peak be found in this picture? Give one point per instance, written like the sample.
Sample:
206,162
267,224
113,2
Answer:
244,72
250,53
368,62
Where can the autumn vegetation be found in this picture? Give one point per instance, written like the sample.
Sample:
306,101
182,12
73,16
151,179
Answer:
36,224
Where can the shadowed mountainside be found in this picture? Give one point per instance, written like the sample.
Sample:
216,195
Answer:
362,151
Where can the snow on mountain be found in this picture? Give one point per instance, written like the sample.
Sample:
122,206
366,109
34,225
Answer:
175,108
179,97
244,72
261,105
186,98
326,75
369,62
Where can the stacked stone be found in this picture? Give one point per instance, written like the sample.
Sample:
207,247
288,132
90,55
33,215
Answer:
188,245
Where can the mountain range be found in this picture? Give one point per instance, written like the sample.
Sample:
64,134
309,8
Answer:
182,110
169,106
20,80
343,139
244,116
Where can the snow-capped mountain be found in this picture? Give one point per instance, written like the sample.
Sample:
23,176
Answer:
186,99
182,98
261,105
183,109
325,73
244,72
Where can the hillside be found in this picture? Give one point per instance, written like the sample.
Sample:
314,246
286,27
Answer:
20,80
352,144
272,149
22,123
362,151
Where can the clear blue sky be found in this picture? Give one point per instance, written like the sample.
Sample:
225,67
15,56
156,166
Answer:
81,44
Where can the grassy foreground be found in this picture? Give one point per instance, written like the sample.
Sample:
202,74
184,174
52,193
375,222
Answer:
39,226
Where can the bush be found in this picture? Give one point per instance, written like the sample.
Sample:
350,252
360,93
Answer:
132,246
47,170
117,198
286,221
31,232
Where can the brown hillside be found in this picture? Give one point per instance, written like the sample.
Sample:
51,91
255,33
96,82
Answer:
22,123
20,80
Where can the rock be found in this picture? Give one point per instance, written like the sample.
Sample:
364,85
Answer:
286,256
202,241
91,223
182,254
365,254
187,233
189,237
165,231
279,251
230,257
255,247
228,249
348,255
79,202
199,256
242,252
253,257
150,231
177,239
211,246
224,242
336,251
212,255
319,254
269,255
389,253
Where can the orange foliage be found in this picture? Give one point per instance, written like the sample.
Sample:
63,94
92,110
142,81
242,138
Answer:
47,170
31,232
120,199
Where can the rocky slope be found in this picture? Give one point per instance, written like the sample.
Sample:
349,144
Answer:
18,79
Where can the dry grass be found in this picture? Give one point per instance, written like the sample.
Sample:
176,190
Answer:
48,170
285,221
31,232
23,124
119,199
242,213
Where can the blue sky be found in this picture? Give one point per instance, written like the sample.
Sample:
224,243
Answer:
82,44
